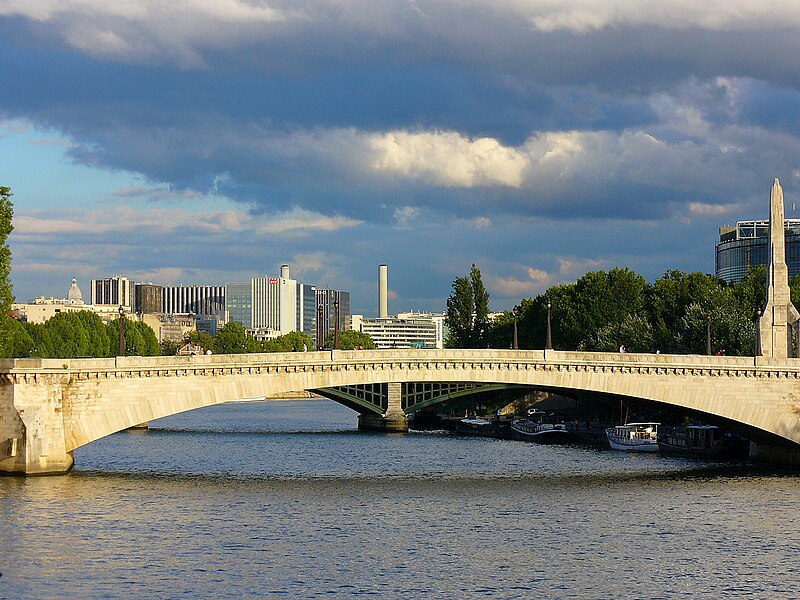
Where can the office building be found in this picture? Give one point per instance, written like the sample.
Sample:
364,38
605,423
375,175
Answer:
239,303
148,298
201,300
307,309
112,291
406,330
746,245
274,304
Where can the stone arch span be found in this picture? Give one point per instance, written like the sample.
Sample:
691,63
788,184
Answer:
48,408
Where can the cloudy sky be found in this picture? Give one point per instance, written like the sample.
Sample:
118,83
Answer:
205,141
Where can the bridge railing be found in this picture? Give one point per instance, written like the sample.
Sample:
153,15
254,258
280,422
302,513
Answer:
385,356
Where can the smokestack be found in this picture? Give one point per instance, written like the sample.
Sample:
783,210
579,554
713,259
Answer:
285,271
383,291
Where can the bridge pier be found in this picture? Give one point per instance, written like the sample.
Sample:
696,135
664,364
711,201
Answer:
32,437
787,456
393,420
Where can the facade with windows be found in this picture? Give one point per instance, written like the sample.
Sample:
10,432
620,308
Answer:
746,245
112,291
307,309
406,330
148,298
326,302
239,303
205,300
274,304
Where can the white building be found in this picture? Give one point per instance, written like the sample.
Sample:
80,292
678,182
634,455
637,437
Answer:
406,330
274,303
113,291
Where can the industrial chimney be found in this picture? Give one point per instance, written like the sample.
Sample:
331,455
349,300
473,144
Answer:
285,271
383,291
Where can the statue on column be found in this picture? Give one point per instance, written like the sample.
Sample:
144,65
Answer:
779,317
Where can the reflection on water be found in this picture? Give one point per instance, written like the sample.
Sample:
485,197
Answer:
287,498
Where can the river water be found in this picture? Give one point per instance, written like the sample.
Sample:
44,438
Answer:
288,499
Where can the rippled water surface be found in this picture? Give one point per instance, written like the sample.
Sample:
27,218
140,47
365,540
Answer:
287,498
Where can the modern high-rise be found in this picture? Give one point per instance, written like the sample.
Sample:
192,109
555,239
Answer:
114,291
746,245
307,309
239,303
326,300
206,300
148,298
274,304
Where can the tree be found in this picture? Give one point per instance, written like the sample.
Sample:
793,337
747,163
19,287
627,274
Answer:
6,297
19,342
351,340
467,317
199,338
169,347
294,341
140,339
480,322
231,339
460,308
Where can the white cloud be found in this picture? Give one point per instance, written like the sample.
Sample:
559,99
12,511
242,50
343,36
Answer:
702,209
536,280
403,215
32,225
447,158
143,29
587,15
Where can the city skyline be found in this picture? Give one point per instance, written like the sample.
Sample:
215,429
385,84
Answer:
197,143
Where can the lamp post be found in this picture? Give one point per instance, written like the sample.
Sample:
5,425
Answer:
121,331
549,344
708,334
336,324
516,316
320,329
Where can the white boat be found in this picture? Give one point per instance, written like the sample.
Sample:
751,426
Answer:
634,437
538,430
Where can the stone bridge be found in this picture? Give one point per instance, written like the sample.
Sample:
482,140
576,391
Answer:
50,407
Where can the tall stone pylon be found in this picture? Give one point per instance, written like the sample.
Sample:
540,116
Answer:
780,316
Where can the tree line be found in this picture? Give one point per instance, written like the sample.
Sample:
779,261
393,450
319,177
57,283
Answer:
602,311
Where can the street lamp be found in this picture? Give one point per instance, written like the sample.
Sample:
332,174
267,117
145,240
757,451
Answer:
549,344
336,324
516,316
121,331
708,334
320,329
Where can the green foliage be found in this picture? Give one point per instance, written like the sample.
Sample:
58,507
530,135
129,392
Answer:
17,343
634,332
6,297
199,338
231,339
602,311
294,341
80,334
480,323
170,347
140,339
351,340
467,317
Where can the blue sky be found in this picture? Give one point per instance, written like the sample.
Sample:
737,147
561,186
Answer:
205,141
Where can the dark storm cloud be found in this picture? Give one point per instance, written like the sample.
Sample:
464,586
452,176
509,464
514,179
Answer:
486,119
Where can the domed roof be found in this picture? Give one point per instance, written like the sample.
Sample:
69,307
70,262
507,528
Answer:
74,294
